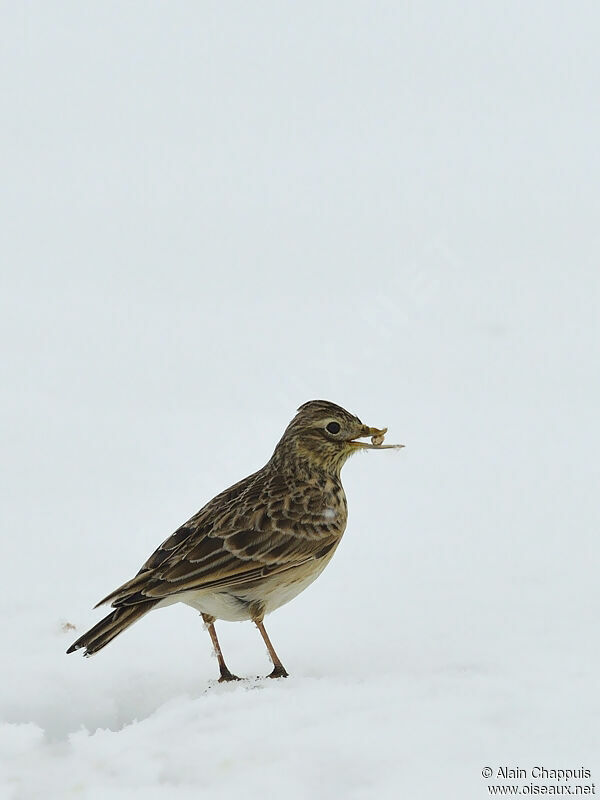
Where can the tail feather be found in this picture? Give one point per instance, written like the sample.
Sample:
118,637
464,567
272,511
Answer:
112,625
124,592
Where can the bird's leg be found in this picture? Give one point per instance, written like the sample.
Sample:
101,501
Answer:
226,675
279,670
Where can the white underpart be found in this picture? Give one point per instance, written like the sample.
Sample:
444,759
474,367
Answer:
232,604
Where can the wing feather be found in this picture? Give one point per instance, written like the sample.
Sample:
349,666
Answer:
256,528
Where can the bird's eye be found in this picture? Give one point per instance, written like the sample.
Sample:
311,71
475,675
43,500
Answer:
333,427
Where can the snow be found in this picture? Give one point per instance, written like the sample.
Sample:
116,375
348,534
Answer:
214,213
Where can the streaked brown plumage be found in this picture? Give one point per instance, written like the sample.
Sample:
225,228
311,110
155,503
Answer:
256,545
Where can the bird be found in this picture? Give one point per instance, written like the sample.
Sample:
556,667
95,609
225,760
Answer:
256,545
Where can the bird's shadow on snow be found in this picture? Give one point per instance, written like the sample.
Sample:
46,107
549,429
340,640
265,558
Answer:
63,701
138,703
127,704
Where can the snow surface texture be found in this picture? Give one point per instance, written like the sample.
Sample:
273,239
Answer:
214,212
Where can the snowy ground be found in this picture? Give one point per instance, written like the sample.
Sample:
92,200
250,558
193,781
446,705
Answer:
215,213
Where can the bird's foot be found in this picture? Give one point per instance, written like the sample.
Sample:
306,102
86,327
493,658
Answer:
278,672
228,676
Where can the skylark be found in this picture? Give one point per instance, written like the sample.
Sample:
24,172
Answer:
256,545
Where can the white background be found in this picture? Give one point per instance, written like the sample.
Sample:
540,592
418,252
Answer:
212,212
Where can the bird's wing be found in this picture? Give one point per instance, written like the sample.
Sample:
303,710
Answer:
254,529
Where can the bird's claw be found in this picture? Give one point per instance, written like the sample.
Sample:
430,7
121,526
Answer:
278,672
228,676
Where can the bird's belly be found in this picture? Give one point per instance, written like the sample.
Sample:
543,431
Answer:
277,592
233,604
222,605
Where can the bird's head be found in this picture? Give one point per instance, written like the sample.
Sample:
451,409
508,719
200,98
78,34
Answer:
325,435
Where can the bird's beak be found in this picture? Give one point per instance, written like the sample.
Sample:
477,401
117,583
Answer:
376,434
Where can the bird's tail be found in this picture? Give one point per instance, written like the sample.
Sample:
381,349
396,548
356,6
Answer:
112,625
